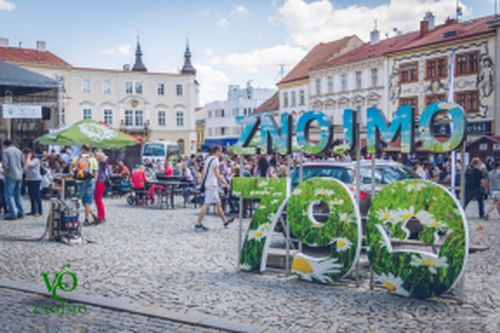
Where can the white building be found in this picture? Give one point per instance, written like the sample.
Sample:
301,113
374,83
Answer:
220,124
153,105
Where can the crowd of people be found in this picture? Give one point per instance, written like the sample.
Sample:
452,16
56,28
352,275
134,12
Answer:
93,172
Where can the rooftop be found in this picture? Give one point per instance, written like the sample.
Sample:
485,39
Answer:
318,55
271,104
30,56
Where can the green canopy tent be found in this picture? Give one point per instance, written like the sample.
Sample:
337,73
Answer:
88,132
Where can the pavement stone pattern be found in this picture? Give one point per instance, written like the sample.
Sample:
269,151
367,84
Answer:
16,316
154,258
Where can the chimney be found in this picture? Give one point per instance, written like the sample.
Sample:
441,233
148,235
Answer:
41,46
424,28
429,17
4,42
126,67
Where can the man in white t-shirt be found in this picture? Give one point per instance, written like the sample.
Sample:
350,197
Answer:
212,178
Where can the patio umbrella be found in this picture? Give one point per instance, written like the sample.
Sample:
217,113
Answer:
88,132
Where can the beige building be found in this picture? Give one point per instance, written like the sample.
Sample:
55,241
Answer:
153,105
419,72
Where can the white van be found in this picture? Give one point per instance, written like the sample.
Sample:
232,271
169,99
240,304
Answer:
158,150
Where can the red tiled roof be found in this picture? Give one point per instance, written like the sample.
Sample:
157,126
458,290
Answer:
317,56
368,50
31,56
463,30
271,104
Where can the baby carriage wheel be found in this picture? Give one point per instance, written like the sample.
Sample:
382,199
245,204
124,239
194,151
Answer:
131,200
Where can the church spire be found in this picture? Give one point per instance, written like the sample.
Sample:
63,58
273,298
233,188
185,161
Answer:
138,65
188,67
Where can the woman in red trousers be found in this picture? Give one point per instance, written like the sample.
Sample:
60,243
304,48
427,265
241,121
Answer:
100,185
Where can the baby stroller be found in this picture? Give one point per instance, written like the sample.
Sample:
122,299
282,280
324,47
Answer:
142,197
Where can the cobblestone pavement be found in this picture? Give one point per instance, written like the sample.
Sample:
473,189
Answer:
16,316
153,257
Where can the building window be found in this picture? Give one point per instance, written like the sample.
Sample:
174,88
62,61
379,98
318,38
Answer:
374,73
467,63
162,118
129,87
222,113
302,97
343,82
106,86
318,87
469,100
408,72
209,114
129,118
434,98
293,98
178,89
180,144
436,69
210,132
108,116
138,88
86,85
139,119
285,101
358,80
413,101
87,114
180,118
330,84
161,89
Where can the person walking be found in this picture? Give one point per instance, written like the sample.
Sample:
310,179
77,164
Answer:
100,185
494,187
210,180
33,181
473,185
13,165
84,172
3,206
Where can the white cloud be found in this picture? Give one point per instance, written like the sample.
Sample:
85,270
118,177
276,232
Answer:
213,83
261,59
222,22
274,21
239,10
124,49
7,5
209,52
319,21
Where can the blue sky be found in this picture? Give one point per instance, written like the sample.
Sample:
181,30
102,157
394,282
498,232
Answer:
231,41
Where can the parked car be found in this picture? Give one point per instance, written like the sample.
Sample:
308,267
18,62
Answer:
386,172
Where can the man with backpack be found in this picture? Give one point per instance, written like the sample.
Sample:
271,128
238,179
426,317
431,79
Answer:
13,165
473,185
210,186
84,171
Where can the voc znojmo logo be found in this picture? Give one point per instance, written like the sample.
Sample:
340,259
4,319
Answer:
63,280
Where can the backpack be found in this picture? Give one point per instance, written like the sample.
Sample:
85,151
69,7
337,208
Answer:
83,171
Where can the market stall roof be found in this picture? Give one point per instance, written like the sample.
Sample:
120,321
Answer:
22,81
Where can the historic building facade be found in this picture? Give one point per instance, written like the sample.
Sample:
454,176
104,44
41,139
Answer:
153,105
456,56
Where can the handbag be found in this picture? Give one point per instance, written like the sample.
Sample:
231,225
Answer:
202,187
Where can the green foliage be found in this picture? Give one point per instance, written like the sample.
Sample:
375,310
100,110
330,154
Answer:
426,198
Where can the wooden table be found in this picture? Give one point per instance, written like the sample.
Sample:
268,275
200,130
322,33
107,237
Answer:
171,185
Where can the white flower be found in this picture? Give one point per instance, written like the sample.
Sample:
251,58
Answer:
393,283
263,184
415,186
387,215
405,214
429,220
245,267
264,227
277,194
342,244
297,191
337,202
429,261
323,192
256,235
318,269
344,217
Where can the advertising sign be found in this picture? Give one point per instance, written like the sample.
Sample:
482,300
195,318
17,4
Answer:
21,111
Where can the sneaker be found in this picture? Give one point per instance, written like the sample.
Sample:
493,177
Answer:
200,227
228,222
486,217
87,223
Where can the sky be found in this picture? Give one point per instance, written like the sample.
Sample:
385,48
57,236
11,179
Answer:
232,42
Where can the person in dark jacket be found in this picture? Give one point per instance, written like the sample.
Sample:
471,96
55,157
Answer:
473,185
